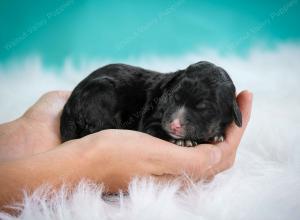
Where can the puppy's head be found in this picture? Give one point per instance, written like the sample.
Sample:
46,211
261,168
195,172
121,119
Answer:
200,104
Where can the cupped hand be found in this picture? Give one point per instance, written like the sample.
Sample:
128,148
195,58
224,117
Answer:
115,156
130,153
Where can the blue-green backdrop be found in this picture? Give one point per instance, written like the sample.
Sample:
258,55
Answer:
116,29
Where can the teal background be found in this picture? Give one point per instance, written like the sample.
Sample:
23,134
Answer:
118,30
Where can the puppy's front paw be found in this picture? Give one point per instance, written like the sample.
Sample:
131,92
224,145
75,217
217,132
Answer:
180,142
177,142
218,139
188,143
184,143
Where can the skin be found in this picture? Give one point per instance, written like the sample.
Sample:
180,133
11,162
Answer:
31,153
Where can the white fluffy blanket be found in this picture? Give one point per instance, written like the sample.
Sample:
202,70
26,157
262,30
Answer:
263,184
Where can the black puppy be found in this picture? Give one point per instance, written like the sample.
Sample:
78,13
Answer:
186,107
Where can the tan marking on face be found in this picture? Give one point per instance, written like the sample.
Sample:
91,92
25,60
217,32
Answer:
179,114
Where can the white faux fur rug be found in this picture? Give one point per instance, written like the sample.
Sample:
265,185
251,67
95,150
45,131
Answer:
263,184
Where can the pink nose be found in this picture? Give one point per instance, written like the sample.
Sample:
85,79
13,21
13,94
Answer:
175,126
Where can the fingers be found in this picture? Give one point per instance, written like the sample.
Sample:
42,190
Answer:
233,136
205,158
189,167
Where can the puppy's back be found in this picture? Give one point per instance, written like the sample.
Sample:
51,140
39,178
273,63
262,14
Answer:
110,97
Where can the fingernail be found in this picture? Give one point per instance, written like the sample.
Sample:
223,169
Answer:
216,155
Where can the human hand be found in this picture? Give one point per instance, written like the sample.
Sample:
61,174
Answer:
111,157
114,156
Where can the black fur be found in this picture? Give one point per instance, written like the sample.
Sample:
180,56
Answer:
128,97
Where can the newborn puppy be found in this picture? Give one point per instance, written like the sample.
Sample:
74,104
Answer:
186,107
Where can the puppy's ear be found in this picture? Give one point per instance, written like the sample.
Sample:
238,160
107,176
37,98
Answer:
237,116
170,81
